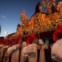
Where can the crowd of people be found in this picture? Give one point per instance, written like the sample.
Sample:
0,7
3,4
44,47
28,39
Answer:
33,47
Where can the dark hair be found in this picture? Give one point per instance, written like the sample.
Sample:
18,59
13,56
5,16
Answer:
37,8
60,36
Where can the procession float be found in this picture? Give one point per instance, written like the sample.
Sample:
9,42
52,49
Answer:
43,24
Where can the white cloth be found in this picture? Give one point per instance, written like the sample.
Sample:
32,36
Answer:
30,48
56,49
41,41
10,49
24,44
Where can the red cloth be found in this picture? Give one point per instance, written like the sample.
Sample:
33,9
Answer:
16,40
6,41
13,41
33,36
57,33
60,26
30,38
1,42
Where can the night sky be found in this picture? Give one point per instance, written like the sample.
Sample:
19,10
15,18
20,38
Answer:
10,13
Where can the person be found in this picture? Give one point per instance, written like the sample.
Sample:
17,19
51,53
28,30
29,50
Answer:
56,51
36,46
41,51
29,51
57,32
